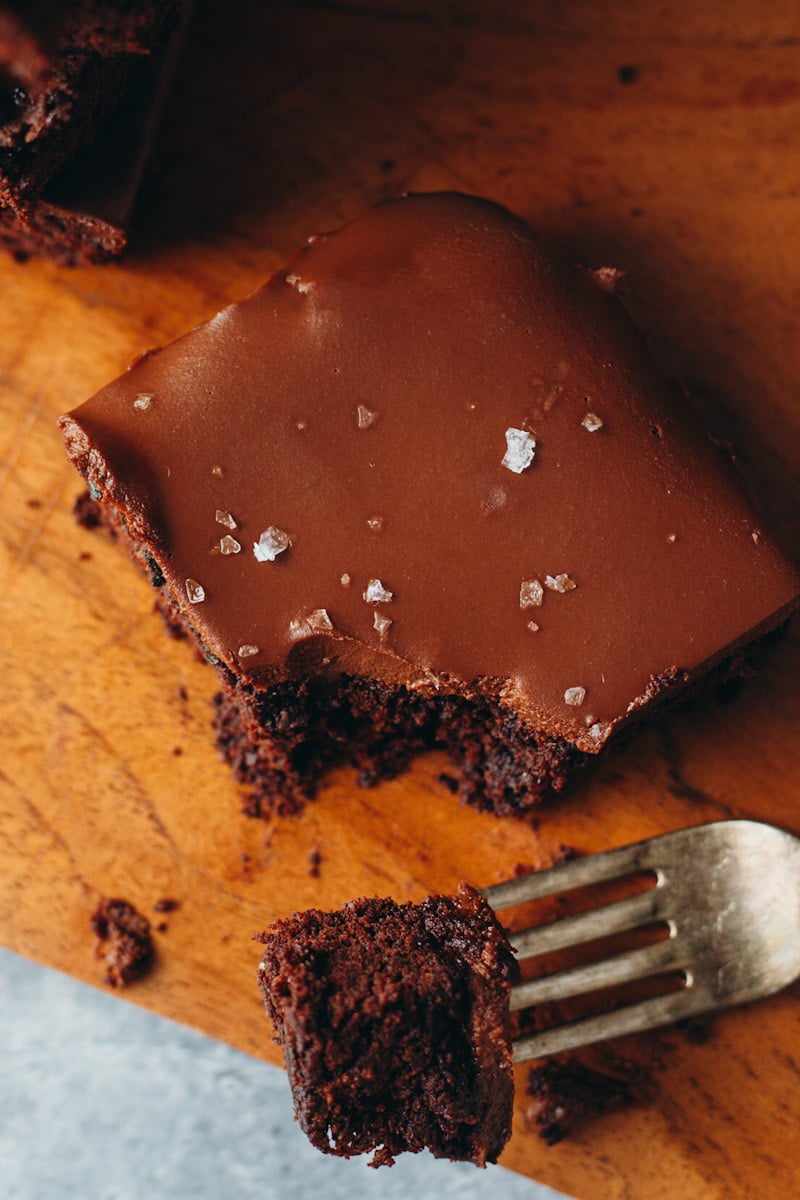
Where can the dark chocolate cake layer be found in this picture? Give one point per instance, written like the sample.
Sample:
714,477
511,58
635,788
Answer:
279,742
394,1021
432,454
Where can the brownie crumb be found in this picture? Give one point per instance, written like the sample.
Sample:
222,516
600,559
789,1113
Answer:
314,860
87,511
566,1093
124,941
166,905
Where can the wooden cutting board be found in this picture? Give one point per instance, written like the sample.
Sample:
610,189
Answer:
662,139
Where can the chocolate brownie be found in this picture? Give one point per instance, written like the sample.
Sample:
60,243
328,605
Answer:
425,487
394,1022
81,88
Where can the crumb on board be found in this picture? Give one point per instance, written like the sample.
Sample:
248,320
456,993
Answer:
565,1093
124,941
87,511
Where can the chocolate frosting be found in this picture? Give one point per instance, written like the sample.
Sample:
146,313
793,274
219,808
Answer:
377,402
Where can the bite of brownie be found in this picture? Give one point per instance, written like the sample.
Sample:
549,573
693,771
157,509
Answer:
394,1023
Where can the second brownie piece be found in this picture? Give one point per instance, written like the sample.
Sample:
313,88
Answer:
64,69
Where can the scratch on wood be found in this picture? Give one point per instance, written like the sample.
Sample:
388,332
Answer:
44,826
24,554
17,444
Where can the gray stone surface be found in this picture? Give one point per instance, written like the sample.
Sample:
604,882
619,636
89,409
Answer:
100,1100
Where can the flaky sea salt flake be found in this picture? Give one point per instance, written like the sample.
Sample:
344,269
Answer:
229,545
520,447
376,593
592,422
195,591
317,621
270,544
224,518
559,583
575,696
375,524
247,651
300,285
365,416
531,593
345,580
534,628
143,402
381,623
599,731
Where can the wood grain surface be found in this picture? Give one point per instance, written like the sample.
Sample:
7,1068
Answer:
662,139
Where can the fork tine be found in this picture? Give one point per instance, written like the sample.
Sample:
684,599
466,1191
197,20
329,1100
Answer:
580,872
633,1018
609,972
587,926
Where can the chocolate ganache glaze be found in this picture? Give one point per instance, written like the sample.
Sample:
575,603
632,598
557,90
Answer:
432,452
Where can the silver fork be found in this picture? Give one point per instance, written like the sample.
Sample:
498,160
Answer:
729,893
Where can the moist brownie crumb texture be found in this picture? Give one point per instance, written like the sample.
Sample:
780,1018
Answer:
426,488
393,1020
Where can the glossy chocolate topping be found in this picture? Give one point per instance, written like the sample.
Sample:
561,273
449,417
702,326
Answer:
482,481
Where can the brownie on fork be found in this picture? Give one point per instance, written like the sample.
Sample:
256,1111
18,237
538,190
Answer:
394,1022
